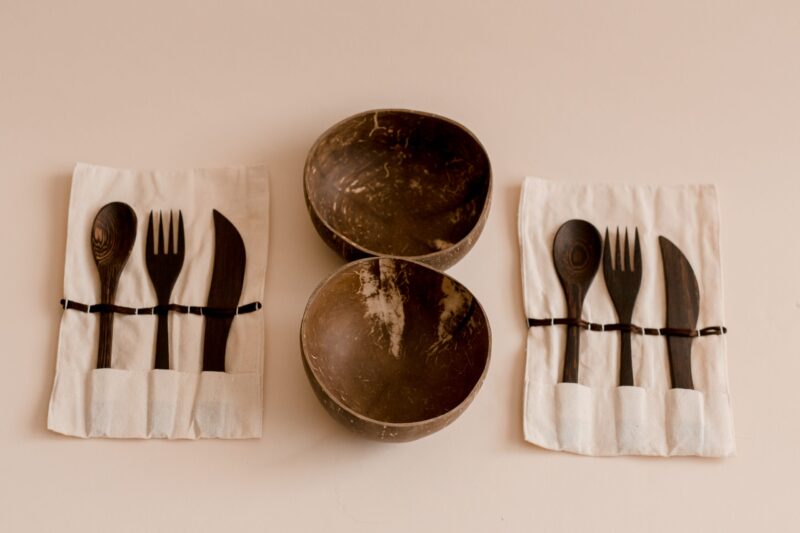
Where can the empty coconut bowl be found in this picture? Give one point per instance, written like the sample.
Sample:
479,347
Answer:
393,349
399,183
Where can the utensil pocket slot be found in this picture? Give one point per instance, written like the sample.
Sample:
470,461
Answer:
718,437
117,403
170,398
575,417
630,405
685,420
223,406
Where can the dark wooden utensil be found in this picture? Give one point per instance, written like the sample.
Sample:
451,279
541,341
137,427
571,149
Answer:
113,235
623,285
393,349
227,279
683,308
576,255
400,183
164,263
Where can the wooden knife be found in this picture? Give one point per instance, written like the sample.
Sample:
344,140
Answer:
683,307
227,279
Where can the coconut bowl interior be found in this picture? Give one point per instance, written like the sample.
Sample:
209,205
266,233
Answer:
399,183
392,342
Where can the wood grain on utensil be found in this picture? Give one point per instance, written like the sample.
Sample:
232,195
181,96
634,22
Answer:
576,255
227,279
683,308
164,262
623,280
113,234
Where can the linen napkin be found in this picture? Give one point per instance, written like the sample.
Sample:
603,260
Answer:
596,416
131,399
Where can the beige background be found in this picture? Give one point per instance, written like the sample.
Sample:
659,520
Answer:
666,92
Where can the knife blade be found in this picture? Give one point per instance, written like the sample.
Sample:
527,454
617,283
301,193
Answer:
225,289
683,307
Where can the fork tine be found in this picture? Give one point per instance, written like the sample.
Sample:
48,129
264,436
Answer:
617,251
627,253
606,255
170,241
160,247
637,252
180,234
149,243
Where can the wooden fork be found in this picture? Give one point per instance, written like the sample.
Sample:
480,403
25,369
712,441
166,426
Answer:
163,265
623,286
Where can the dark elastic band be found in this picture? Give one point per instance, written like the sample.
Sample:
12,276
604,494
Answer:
161,309
629,328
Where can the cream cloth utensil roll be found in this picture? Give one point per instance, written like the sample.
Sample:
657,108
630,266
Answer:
596,416
131,399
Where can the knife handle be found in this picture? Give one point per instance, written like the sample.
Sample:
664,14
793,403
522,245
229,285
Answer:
680,362
215,342
571,355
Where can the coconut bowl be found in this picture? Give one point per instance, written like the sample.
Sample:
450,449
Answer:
394,350
398,183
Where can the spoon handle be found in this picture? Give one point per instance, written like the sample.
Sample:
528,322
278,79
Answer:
108,289
104,347
571,355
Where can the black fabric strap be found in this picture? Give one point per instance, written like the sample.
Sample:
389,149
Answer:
161,309
630,328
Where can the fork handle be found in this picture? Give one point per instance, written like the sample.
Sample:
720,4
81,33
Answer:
625,362
162,343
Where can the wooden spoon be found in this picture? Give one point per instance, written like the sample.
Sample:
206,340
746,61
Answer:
113,234
576,253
